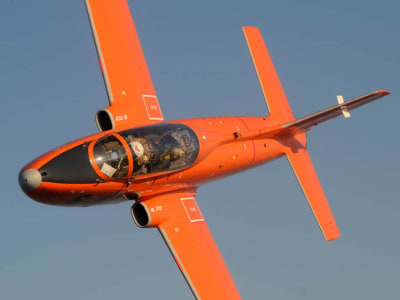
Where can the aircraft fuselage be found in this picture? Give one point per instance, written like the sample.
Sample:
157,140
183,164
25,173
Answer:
138,163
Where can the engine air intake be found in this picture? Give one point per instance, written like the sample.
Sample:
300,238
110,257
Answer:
104,120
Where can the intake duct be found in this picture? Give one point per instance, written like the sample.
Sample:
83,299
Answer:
150,213
115,117
104,120
140,215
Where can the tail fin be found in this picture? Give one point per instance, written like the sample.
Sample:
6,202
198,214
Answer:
301,163
275,97
309,121
295,151
305,123
291,131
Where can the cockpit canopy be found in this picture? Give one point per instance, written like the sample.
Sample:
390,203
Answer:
146,150
111,157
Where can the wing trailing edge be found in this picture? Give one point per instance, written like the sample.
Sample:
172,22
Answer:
132,98
186,234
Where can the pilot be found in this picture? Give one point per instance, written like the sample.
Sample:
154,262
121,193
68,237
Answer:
184,143
177,153
169,151
141,155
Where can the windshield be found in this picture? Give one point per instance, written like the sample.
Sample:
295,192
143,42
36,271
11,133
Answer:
162,147
111,157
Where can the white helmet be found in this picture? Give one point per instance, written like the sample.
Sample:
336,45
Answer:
137,148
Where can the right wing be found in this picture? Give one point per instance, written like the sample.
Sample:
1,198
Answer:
186,234
126,76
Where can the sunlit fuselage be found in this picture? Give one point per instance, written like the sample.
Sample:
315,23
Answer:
113,166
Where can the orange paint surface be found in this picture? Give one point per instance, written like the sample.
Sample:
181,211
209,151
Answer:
224,145
123,64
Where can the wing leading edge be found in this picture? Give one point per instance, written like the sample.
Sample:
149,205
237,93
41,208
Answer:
129,86
186,234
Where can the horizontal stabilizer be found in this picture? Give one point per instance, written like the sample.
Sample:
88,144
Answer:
308,180
274,94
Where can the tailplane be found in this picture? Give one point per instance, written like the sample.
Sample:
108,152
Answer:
291,131
303,168
274,94
305,123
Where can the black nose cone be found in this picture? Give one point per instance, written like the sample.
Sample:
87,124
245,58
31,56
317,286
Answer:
71,166
29,179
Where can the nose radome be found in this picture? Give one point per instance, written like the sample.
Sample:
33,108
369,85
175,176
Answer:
29,179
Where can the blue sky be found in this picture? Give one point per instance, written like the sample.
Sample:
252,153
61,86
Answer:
51,88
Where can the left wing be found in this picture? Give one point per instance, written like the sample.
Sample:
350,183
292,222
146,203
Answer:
186,234
274,94
131,94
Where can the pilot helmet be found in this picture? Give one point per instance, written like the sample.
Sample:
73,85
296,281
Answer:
137,148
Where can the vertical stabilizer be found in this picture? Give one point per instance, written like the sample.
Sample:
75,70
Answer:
296,152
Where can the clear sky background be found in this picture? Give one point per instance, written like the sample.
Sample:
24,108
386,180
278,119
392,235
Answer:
51,88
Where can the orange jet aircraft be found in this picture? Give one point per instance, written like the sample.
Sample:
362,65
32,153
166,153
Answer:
160,164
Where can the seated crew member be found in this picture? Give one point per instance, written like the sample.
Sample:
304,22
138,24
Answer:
177,153
168,151
141,155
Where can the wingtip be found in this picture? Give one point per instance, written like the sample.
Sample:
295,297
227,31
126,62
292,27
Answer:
332,237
